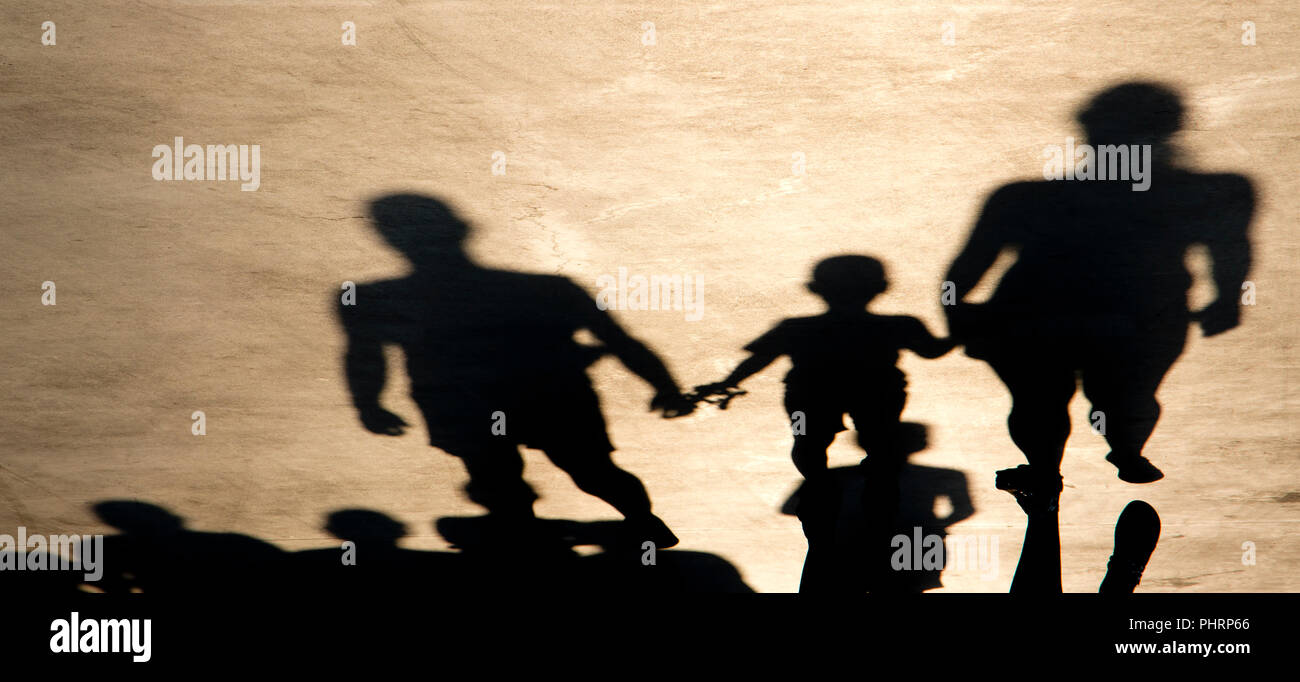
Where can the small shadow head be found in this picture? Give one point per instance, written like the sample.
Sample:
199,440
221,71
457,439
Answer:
358,525
848,280
913,437
422,227
1137,112
138,518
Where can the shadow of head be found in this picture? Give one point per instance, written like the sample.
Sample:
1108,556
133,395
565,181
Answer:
138,518
421,227
1137,112
365,525
911,438
848,280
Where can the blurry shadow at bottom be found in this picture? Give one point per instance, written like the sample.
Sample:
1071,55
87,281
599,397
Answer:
156,554
538,554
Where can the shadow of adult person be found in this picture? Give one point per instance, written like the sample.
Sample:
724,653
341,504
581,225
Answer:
494,365
858,553
155,554
1098,292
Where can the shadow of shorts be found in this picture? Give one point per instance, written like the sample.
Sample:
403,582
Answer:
557,417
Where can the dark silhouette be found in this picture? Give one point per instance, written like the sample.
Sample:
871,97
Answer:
494,366
156,554
38,582
499,558
373,560
1039,570
1136,533
1098,293
841,563
845,361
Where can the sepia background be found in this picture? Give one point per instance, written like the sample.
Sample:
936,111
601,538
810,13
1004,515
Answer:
676,157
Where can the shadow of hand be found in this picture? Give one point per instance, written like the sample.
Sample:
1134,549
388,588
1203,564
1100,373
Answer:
672,404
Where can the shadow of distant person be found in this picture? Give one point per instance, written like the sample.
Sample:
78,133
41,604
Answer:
858,558
371,559
1098,293
156,554
494,365
499,558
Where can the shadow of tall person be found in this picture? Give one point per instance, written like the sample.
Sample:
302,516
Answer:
494,365
155,554
1098,292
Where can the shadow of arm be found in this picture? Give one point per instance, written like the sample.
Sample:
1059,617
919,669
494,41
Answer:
993,230
366,371
1230,254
